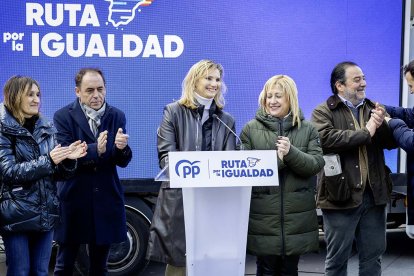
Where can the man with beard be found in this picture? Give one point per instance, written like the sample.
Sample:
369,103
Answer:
354,188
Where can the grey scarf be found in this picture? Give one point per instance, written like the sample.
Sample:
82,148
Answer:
94,117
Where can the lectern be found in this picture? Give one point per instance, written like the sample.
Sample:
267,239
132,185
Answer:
216,188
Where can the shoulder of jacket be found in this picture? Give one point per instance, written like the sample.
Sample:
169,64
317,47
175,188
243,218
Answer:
320,107
176,107
254,123
227,115
115,110
307,128
64,110
334,102
306,124
8,125
329,106
173,106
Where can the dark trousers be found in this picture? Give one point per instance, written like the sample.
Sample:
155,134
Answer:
66,257
366,224
273,265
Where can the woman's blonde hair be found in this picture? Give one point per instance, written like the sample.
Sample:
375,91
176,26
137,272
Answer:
288,86
197,72
14,90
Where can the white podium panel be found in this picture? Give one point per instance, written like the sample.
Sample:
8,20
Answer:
216,221
216,188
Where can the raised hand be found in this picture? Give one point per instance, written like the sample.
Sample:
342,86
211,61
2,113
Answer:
102,140
379,112
376,119
121,139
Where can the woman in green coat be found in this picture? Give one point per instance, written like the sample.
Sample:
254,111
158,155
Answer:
283,223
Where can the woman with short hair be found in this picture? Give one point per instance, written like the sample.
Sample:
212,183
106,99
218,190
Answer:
282,222
30,164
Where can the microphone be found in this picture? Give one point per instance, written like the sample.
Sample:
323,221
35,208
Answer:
234,133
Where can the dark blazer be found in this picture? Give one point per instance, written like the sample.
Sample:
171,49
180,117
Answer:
92,203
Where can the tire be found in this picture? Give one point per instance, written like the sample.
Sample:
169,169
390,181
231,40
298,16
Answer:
126,258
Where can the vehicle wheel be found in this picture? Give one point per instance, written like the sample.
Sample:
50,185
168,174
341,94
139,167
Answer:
128,258
125,258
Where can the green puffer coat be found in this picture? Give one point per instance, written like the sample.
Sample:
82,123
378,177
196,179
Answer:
283,219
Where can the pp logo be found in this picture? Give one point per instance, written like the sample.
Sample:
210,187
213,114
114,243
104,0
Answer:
187,168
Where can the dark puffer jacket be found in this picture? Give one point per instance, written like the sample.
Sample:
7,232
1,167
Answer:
29,173
283,218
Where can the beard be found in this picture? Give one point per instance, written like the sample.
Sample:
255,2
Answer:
355,97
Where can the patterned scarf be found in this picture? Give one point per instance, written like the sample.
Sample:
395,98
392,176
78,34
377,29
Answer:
94,117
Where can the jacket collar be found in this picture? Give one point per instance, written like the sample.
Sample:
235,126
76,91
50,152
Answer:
213,110
334,101
79,117
274,123
10,125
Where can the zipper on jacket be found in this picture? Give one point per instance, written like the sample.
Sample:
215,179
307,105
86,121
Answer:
357,127
197,132
280,127
282,211
282,190
367,161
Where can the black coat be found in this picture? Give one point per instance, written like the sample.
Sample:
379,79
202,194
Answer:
29,173
181,130
92,203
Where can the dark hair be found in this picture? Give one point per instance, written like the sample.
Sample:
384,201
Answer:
83,71
13,92
338,74
409,68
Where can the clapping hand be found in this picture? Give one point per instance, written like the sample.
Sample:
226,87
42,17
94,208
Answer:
378,114
78,150
283,146
376,119
102,140
73,151
121,139
59,153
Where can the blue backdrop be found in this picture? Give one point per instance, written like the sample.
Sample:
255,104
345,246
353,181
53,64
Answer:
146,47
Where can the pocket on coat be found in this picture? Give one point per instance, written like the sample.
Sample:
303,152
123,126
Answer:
337,188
